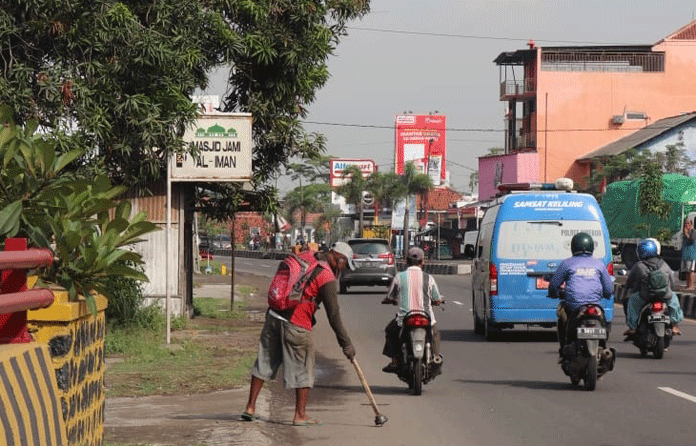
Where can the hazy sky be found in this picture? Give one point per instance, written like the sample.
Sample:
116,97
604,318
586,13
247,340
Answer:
437,55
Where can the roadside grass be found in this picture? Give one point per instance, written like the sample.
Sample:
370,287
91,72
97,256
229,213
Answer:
211,267
212,351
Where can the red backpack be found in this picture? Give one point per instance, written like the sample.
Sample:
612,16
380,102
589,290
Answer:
290,280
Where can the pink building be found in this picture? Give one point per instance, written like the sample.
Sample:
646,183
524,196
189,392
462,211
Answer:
564,102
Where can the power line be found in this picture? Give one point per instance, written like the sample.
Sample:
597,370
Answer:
490,130
449,161
469,36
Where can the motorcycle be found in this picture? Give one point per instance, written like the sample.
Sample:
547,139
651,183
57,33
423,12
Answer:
654,330
585,355
418,364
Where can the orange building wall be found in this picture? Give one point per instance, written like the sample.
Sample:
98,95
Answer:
581,106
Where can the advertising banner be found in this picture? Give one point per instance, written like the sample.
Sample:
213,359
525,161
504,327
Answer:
224,145
399,214
422,140
367,166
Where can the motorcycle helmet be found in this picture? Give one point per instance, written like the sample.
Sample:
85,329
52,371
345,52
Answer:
582,243
659,246
647,249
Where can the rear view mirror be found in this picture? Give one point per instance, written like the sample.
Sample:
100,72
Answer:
469,251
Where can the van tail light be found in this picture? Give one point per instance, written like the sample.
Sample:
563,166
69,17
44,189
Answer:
610,268
493,277
657,307
389,256
417,320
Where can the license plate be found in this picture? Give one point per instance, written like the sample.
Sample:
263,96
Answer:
658,318
592,333
542,284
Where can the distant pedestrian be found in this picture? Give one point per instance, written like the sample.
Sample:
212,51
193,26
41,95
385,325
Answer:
688,253
286,337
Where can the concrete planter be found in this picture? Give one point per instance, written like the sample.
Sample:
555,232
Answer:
75,340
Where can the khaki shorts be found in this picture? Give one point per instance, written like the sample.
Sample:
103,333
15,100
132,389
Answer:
284,343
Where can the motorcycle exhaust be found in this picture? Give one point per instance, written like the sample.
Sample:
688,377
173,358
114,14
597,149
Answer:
437,359
608,356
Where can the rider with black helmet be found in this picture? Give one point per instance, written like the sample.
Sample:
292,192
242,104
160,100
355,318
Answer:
586,281
648,251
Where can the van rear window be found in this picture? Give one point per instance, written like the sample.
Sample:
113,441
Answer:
545,239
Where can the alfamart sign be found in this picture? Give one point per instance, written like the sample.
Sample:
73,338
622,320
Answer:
224,149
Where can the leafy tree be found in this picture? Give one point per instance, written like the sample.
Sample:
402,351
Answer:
111,78
411,182
279,67
312,170
327,223
352,190
633,163
66,212
650,200
115,78
382,187
305,199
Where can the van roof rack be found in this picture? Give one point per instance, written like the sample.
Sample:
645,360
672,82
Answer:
562,184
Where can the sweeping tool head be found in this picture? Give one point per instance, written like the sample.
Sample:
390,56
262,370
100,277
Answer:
380,420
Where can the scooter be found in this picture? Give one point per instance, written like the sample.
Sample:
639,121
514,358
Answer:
654,331
417,364
585,355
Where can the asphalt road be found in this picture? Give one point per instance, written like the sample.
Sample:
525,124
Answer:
510,391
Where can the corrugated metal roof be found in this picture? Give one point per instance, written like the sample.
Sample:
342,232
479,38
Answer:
636,139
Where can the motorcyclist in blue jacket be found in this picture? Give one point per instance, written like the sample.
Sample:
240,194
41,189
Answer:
586,281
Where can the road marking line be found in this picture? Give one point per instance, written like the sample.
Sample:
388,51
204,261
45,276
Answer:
457,302
686,396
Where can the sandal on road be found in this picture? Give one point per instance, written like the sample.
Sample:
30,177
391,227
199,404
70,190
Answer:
309,422
246,416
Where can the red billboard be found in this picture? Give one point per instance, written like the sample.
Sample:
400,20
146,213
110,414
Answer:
422,139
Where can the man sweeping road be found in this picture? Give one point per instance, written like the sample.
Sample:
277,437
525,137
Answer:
286,337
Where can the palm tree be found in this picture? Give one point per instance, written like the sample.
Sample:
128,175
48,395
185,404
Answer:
306,199
412,183
328,219
382,186
352,191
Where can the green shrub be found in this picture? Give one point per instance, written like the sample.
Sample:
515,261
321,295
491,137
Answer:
125,300
76,216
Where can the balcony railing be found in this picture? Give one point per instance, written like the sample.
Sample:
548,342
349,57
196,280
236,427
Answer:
526,141
603,62
517,87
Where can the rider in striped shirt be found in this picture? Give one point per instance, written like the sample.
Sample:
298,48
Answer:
411,290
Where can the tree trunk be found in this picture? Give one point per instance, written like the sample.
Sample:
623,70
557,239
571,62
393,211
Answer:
360,222
406,232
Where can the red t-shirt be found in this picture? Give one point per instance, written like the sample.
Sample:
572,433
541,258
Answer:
302,315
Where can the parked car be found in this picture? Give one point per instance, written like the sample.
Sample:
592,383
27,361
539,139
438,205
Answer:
205,250
374,264
222,241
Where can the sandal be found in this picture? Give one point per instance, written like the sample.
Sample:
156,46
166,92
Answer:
246,416
308,422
